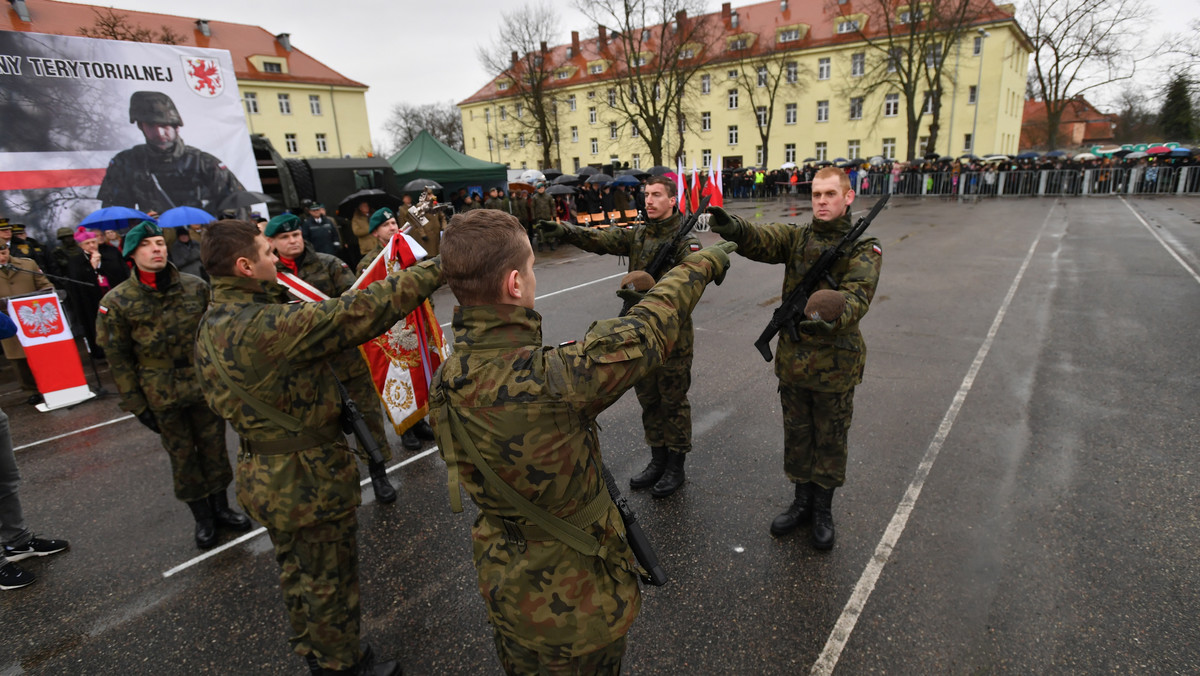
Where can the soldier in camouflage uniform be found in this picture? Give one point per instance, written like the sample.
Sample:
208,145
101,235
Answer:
542,209
818,373
164,172
264,368
530,414
666,412
330,275
147,327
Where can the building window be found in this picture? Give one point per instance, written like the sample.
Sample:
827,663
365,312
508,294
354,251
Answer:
789,114
571,102
790,35
504,141
314,104
289,140
640,60
732,74
487,115
856,106
733,99
972,94
596,69
501,86
889,148
686,54
706,158
738,44
272,67
853,148
909,17
858,64
793,72
894,55
933,55
705,84
633,128
591,95
705,121
683,159
762,76
637,161
847,26
758,155
733,134
761,113
612,97
823,68
521,140
821,150
491,144
978,45
520,110
968,143
537,137
789,152
595,146
285,104
574,134
891,105
503,113
592,115
922,144
562,74
251,101
927,109
657,91
612,130
322,146
822,111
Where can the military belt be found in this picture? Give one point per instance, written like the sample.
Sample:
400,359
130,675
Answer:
293,444
589,514
151,363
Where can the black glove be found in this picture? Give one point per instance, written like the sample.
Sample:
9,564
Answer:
147,418
721,222
718,254
815,327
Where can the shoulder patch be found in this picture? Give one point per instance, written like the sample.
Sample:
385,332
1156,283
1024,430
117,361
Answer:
566,343
694,246
877,250
103,310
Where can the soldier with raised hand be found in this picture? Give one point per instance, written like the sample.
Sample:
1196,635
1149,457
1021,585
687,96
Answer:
164,172
529,413
331,276
147,325
817,373
542,206
666,411
265,369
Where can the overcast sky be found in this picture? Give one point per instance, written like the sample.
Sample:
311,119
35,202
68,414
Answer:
425,52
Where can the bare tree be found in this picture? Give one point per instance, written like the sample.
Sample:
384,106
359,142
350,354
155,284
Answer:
1079,45
442,120
520,57
1136,122
655,48
110,24
764,75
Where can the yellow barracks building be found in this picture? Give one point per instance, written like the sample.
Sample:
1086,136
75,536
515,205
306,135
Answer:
825,107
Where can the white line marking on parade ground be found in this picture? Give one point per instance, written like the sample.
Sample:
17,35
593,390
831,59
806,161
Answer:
840,635
569,288
63,436
1162,241
260,530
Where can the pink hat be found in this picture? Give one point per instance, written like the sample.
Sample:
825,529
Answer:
82,234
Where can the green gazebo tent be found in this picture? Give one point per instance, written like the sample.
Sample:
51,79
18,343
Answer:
427,157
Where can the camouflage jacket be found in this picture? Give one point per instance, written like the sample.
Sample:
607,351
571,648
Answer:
332,277
825,363
149,337
498,203
146,179
640,244
368,256
531,412
278,352
543,207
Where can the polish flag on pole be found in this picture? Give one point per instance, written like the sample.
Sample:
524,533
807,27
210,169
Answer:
695,196
50,348
720,179
713,191
680,184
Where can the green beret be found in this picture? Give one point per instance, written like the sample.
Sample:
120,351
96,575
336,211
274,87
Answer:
137,233
281,224
63,232
379,218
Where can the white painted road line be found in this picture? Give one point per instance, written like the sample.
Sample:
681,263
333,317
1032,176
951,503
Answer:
840,635
63,436
1163,242
569,288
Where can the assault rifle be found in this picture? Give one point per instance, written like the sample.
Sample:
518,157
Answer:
791,311
662,258
638,542
354,423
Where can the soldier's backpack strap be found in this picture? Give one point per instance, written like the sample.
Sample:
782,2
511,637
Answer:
446,443
558,528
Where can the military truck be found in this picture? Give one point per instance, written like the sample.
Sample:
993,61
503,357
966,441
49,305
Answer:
293,181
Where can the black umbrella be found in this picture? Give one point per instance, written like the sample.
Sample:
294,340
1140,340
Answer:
420,184
587,171
243,198
375,199
636,173
560,190
600,179
660,170
551,173
809,159
566,179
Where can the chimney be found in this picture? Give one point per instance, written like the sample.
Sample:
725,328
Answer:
543,46
202,26
515,59
602,39
680,18
725,11
285,39
21,10
574,43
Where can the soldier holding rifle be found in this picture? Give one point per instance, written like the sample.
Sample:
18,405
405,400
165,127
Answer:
820,359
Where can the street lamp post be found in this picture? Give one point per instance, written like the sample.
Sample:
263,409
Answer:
978,92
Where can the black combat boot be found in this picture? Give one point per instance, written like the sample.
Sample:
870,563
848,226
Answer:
654,471
366,666
410,440
224,516
206,528
423,430
672,477
380,484
798,513
822,515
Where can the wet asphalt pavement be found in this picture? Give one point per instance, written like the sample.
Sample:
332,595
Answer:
1024,445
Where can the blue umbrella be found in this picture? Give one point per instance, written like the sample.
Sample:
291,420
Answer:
1031,155
180,217
1181,152
1056,153
113,218
627,180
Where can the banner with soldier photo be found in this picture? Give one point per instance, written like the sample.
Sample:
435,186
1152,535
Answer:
90,123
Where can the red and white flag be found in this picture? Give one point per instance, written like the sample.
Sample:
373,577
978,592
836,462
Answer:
680,184
695,196
712,188
50,349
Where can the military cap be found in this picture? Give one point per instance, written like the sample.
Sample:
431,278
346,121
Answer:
137,233
315,205
63,232
154,108
281,224
4,224
379,218
18,228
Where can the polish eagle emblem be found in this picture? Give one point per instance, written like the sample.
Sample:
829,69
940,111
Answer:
40,320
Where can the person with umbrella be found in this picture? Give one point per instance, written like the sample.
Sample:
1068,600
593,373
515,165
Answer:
145,326
102,267
164,172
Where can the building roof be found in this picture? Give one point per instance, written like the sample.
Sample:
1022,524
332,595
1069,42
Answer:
242,41
1081,124
763,19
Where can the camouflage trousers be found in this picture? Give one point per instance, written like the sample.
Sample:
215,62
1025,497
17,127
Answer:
362,391
815,428
666,412
517,659
318,571
194,438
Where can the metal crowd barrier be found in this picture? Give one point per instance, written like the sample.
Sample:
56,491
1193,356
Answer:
1034,183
